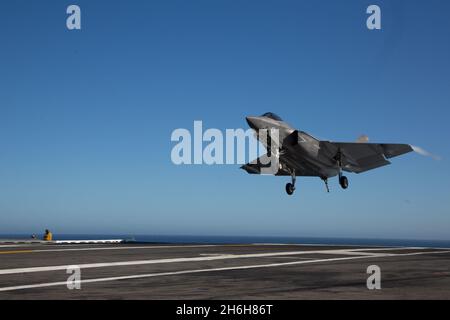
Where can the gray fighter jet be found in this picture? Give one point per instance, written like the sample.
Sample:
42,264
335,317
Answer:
300,154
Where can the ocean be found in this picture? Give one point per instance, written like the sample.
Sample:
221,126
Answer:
245,240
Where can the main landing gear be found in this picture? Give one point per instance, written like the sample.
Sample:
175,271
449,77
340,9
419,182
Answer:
290,187
343,181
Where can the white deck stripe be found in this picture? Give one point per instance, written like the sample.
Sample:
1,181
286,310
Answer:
175,260
183,246
194,259
393,248
76,247
162,246
107,241
172,247
51,284
122,248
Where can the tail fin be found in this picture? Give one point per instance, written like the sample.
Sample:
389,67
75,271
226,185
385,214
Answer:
362,139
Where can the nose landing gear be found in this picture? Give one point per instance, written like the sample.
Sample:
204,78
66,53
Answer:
325,179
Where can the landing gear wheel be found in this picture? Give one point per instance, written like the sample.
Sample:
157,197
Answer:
290,188
343,181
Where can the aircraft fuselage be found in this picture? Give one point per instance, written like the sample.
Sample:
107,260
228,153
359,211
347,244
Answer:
303,156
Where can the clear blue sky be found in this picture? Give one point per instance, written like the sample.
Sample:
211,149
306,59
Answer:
86,116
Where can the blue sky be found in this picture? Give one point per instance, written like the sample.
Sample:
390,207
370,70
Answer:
86,116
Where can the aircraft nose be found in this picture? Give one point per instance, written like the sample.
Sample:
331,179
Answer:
252,122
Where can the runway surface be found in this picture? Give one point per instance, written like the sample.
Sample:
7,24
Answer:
253,271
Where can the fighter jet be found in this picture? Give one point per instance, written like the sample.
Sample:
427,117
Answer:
300,154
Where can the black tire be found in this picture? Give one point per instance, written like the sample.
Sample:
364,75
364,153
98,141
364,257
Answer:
343,181
290,189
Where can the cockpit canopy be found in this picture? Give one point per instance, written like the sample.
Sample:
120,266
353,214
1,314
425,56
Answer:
272,116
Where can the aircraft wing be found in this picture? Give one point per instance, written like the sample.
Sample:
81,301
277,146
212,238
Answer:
360,157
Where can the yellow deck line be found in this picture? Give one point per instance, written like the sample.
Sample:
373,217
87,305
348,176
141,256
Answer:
16,251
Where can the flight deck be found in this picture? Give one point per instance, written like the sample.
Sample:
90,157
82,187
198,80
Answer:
200,271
